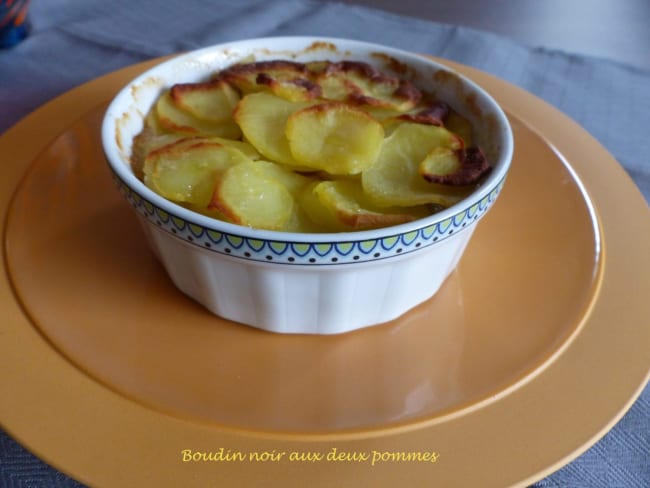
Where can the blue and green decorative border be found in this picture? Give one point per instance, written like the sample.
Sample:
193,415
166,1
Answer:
289,252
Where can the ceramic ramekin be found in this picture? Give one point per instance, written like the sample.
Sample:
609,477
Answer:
306,283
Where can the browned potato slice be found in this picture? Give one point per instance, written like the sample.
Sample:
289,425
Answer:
395,178
346,201
286,79
262,118
247,196
434,113
457,168
173,119
361,84
185,171
334,137
211,101
440,161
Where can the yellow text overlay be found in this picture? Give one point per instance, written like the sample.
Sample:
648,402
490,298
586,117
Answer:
334,455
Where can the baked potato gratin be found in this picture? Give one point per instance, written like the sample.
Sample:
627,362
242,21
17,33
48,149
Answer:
307,147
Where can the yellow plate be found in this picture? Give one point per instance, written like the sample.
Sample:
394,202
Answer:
513,369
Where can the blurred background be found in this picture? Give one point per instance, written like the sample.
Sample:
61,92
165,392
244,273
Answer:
613,29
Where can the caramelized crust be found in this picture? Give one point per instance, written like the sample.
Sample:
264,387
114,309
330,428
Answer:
362,83
474,165
434,114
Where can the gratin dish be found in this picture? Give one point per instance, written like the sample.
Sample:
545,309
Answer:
306,282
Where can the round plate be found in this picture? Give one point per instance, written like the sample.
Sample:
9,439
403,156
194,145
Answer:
116,378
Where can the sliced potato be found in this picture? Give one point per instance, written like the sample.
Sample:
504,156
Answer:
361,84
186,170
262,118
440,161
247,149
434,113
300,221
247,196
211,101
286,79
334,137
460,168
307,147
347,202
294,182
323,217
145,142
395,178
173,119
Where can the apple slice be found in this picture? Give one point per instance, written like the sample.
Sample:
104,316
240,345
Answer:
185,171
395,177
247,196
262,118
211,101
334,137
173,119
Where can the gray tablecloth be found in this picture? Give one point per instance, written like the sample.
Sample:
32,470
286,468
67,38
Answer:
74,41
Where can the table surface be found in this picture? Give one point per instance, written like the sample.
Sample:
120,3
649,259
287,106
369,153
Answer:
553,48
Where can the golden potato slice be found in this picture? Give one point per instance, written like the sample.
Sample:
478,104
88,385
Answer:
145,142
247,196
294,182
395,177
244,147
300,222
262,118
334,137
439,162
186,170
322,217
346,201
173,119
211,101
